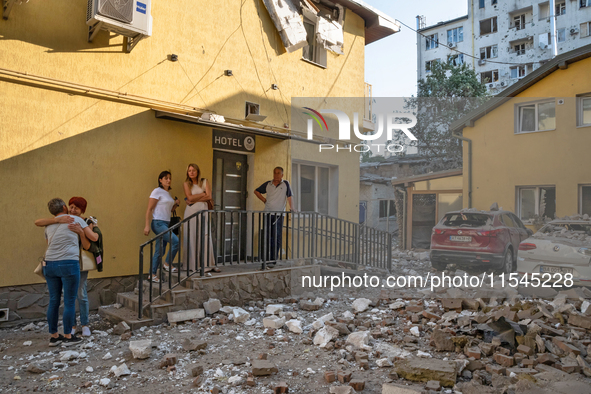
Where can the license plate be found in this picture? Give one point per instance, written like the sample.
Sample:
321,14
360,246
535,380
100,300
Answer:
458,238
555,270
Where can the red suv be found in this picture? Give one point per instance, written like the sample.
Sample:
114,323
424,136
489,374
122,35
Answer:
470,238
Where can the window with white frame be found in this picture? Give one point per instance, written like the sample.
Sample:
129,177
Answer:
489,76
488,26
455,35
584,3
560,8
532,117
585,30
481,4
314,51
313,186
544,10
585,199
584,110
429,64
536,201
456,60
387,209
432,41
519,49
519,22
517,72
561,35
489,52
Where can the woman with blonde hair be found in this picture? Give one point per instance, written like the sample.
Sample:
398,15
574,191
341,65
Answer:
197,192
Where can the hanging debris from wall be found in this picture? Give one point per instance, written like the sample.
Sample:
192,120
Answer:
288,22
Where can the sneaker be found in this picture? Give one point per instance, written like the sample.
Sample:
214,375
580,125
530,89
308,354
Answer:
167,268
155,279
53,342
73,340
85,331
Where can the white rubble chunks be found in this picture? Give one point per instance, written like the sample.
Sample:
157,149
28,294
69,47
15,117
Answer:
318,301
348,315
181,316
273,322
397,305
318,324
288,23
392,352
274,309
240,315
105,382
69,355
212,306
121,370
383,362
236,380
325,335
294,326
89,369
359,339
227,309
141,349
360,305
415,331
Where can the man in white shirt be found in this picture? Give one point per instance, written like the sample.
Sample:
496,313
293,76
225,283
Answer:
278,193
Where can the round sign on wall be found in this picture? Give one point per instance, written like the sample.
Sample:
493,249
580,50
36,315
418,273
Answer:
249,143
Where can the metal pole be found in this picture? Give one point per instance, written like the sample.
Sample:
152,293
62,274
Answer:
141,284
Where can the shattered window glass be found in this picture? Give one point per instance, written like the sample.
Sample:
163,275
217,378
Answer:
527,118
585,200
309,50
527,202
547,116
586,110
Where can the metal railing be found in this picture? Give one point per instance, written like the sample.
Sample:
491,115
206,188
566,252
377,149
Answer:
239,237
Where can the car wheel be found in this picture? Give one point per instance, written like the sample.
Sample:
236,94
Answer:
507,267
438,266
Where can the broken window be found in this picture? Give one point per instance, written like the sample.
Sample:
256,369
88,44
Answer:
519,22
544,10
493,2
429,64
585,3
488,26
584,110
585,199
517,72
489,52
561,35
536,201
314,51
519,49
544,40
560,9
455,35
536,117
489,76
585,29
456,60
481,3
432,42
312,187
387,209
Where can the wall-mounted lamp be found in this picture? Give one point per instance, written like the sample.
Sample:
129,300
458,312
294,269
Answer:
274,86
174,58
228,73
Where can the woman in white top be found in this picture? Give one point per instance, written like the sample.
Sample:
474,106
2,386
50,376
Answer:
160,206
197,192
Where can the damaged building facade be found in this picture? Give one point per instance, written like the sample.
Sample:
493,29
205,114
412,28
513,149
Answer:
100,113
506,39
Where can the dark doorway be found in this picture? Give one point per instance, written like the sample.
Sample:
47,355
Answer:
423,219
229,193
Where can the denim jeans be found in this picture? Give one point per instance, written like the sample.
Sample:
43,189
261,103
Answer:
158,227
83,299
62,275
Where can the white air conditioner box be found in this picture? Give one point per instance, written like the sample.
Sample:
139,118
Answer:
128,18
481,62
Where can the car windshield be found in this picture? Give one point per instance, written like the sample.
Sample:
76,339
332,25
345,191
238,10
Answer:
581,228
465,219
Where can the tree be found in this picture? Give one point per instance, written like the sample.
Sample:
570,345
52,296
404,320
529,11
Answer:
448,93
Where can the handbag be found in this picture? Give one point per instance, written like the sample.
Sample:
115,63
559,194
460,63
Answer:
210,203
87,261
174,220
39,269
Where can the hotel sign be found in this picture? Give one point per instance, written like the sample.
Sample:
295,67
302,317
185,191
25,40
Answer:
230,140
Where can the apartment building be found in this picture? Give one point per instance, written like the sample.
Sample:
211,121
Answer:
504,40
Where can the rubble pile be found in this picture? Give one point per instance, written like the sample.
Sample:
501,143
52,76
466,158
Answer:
462,340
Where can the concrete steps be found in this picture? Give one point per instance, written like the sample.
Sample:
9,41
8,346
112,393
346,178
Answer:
129,316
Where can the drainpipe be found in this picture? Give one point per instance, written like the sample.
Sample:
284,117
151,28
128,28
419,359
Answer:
469,141
553,38
403,219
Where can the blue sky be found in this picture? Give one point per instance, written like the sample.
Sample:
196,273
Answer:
391,63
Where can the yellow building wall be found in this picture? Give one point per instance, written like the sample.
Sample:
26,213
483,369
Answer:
503,160
449,183
54,144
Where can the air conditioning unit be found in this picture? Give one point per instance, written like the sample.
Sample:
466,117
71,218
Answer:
452,44
491,85
129,18
543,45
574,31
482,62
503,84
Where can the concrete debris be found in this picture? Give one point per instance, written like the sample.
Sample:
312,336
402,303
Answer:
121,328
141,349
325,335
424,370
181,316
318,324
359,340
240,315
274,309
212,305
360,305
263,368
274,322
121,370
191,345
294,326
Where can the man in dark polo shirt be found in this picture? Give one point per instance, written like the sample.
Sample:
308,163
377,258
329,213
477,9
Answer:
278,192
